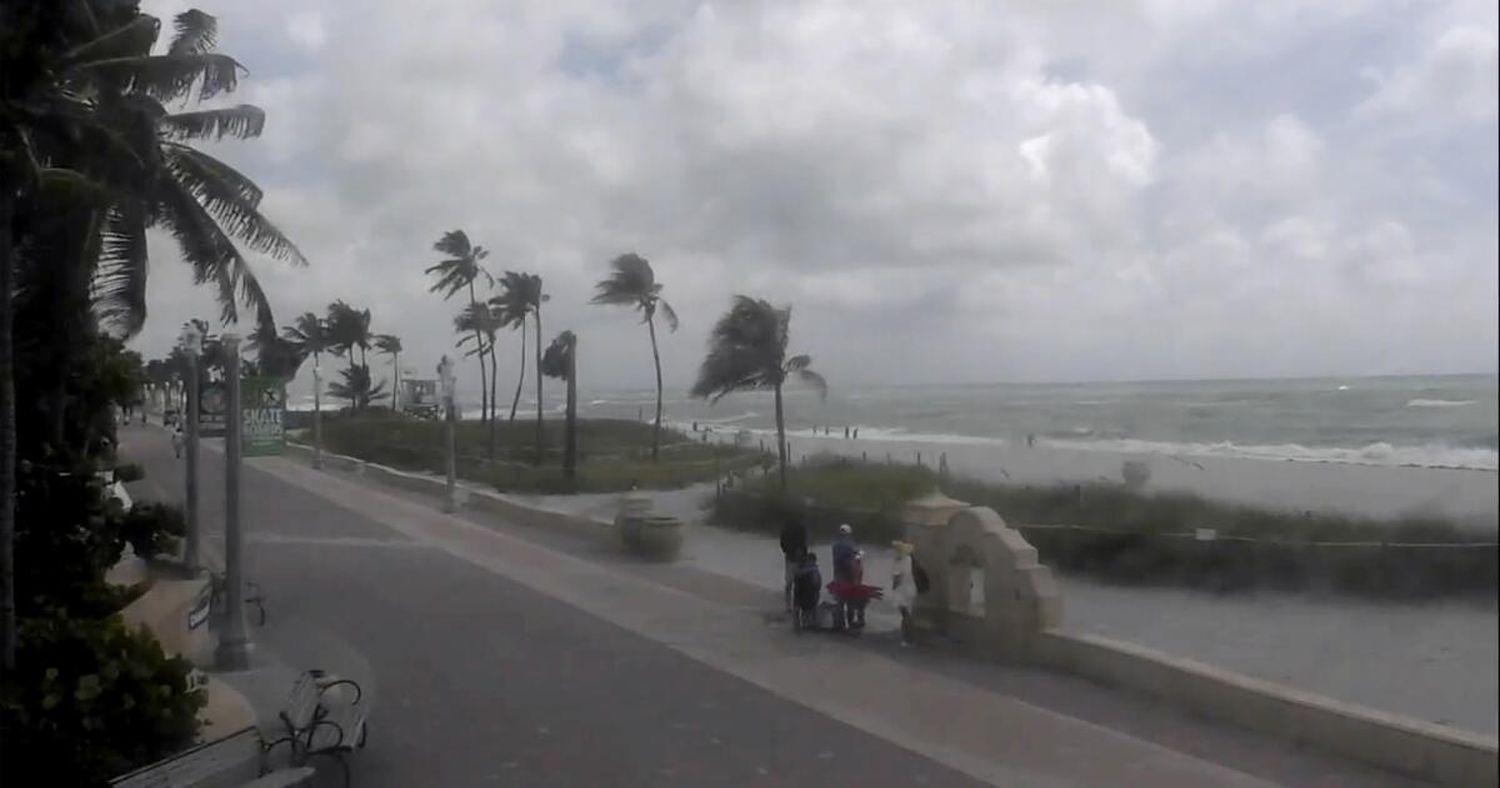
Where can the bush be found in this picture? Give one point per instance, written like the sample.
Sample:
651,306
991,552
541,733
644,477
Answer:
125,473
152,529
90,700
67,537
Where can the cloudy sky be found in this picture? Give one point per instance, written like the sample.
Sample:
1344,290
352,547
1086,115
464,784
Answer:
945,191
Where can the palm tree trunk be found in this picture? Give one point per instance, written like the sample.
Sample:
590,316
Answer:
521,378
538,343
484,391
7,435
396,387
780,437
656,358
570,440
494,395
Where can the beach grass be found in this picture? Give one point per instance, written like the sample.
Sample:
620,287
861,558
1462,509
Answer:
614,455
1117,533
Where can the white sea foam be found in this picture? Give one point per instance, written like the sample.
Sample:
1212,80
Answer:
1372,454
1439,403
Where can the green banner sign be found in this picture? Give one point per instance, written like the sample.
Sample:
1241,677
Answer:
263,402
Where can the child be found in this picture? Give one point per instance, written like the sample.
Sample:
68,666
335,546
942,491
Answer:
807,586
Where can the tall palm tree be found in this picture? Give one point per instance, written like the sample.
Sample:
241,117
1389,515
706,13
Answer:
349,330
457,272
514,308
275,356
478,324
390,345
746,351
526,290
310,334
632,283
83,107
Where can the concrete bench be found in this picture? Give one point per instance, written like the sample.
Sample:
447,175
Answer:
324,715
235,761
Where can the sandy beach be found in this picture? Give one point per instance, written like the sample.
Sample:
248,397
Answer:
1470,496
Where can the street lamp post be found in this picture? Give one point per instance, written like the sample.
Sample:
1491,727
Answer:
234,644
445,376
317,414
192,346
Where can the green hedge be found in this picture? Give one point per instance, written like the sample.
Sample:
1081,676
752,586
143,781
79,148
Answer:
1125,536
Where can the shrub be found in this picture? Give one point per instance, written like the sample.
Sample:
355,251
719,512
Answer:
152,529
90,700
128,472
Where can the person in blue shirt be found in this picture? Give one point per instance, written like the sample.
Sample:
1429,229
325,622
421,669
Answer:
844,553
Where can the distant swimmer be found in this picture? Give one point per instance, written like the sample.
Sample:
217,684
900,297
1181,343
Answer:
856,433
1030,440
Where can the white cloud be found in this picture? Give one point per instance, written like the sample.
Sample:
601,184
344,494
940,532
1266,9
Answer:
950,191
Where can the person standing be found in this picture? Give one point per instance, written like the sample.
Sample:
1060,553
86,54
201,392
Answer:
177,439
904,589
793,550
844,553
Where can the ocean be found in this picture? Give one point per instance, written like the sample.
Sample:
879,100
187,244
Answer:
1445,421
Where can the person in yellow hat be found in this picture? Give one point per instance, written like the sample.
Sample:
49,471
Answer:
904,589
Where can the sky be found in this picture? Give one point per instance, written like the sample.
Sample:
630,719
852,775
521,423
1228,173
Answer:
943,191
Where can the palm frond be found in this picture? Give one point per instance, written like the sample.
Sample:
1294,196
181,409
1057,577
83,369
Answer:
813,380
136,37
798,363
167,77
204,246
120,275
197,33
454,243
243,121
668,313
203,177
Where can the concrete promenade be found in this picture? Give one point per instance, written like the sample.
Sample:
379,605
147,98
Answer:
501,655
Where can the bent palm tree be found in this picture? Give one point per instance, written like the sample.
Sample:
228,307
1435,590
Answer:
513,307
477,324
633,284
348,330
457,272
561,361
747,351
390,345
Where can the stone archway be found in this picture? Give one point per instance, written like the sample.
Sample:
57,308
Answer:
987,588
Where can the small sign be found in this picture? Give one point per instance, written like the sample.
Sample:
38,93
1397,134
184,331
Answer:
199,612
213,404
263,409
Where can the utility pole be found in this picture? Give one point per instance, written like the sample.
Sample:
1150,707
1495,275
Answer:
234,644
446,378
192,345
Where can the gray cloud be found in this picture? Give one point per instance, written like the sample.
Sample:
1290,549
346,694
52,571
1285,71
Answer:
945,191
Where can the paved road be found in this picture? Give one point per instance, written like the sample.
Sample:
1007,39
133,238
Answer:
481,681
497,661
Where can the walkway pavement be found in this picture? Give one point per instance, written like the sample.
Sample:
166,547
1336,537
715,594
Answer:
497,657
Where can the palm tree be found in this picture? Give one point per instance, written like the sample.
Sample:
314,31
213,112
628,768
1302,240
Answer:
522,296
357,387
561,361
632,283
746,351
514,307
457,272
83,111
390,345
310,334
348,330
479,323
275,356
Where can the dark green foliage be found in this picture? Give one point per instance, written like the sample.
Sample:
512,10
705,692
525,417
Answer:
128,472
67,536
357,388
614,455
92,700
152,529
1117,534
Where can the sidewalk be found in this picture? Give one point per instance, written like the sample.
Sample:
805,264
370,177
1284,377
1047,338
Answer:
988,735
